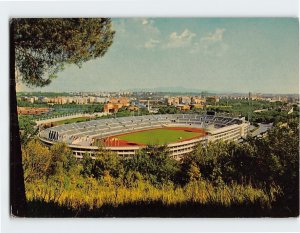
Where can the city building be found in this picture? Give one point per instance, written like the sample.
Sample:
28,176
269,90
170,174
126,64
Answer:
212,99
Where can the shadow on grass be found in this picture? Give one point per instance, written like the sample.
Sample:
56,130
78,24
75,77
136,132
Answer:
157,209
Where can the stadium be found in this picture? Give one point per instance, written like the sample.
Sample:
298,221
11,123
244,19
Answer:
125,136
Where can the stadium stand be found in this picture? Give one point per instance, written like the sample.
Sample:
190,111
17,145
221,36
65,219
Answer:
80,136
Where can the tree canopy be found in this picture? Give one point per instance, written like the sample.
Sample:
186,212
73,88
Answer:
39,49
259,177
44,45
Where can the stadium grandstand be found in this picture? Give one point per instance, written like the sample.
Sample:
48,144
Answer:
82,137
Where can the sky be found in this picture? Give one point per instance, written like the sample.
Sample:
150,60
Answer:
206,54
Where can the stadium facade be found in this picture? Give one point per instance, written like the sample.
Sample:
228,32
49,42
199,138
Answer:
80,137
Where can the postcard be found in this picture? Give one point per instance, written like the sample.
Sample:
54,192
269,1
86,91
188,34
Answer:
154,117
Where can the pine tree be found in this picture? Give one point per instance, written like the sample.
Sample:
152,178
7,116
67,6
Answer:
39,49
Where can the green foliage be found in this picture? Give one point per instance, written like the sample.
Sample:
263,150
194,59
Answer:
243,108
123,113
107,164
193,172
272,161
168,110
154,164
98,108
45,94
32,105
41,47
259,172
44,45
87,166
36,160
27,128
273,116
62,160
72,120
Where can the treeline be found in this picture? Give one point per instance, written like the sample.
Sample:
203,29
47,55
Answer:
256,178
174,110
274,116
32,105
65,108
45,94
73,107
243,108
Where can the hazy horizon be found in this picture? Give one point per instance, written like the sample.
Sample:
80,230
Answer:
220,55
158,90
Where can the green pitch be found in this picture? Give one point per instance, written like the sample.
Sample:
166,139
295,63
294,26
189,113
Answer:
158,136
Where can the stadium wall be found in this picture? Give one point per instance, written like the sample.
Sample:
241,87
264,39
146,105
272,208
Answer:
226,129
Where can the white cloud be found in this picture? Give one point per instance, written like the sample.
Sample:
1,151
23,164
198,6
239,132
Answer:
149,26
180,40
215,36
136,33
142,33
145,21
151,43
211,44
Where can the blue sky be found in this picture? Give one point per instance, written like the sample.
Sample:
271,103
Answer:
209,54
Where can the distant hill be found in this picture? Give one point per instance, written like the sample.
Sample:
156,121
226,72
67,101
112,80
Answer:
172,90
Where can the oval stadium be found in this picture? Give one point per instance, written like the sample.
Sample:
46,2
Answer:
125,136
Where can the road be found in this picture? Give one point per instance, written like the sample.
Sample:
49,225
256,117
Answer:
262,128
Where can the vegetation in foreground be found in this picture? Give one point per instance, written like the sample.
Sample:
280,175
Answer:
39,49
256,178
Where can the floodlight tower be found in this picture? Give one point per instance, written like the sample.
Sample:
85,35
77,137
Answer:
250,104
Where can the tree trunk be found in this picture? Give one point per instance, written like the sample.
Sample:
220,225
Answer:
17,187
